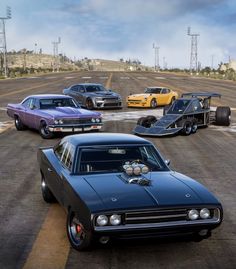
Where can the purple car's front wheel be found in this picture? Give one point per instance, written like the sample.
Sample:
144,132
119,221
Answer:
44,131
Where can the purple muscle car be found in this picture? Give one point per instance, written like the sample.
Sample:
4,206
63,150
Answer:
50,113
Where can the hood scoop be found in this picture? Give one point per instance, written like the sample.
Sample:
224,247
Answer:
133,173
140,181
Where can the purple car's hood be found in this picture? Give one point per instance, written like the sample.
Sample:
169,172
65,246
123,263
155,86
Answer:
70,112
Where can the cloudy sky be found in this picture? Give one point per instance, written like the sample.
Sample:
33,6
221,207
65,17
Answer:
114,29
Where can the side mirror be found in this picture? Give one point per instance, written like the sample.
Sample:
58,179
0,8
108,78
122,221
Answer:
167,162
32,107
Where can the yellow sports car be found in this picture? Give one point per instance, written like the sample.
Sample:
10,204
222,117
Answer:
152,97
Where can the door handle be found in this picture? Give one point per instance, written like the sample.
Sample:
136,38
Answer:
49,169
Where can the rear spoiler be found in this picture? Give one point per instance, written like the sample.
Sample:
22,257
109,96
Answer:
201,94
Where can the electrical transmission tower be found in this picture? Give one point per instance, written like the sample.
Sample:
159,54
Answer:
3,43
55,54
156,49
193,55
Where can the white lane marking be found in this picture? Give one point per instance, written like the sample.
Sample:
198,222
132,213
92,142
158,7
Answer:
132,115
50,77
103,77
32,77
124,77
3,108
5,125
231,128
175,78
160,78
69,77
141,78
86,77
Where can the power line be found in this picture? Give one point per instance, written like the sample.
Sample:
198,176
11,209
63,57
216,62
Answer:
194,52
55,54
156,49
3,42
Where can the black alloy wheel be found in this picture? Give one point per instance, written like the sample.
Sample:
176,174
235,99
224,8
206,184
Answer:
89,104
187,127
194,126
172,100
153,103
78,236
44,131
18,124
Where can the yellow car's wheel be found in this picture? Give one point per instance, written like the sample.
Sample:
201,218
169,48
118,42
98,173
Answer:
172,100
153,103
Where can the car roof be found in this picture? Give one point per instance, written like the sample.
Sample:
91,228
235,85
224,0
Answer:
46,96
155,87
97,139
89,84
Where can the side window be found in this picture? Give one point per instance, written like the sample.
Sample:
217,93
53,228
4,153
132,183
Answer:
81,89
164,91
69,156
65,153
196,105
59,150
74,88
28,102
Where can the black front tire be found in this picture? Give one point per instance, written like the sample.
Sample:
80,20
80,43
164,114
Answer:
89,104
18,124
143,121
194,126
172,101
153,103
80,239
44,131
187,127
223,115
48,196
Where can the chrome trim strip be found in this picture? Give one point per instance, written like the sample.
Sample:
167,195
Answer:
156,217
156,225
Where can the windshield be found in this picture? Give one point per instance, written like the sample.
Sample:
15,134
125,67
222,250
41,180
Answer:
153,90
178,107
112,158
95,88
57,102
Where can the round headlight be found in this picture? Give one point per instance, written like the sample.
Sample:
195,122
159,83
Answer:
204,213
193,214
145,169
93,120
137,170
60,121
115,219
129,170
97,120
102,220
56,121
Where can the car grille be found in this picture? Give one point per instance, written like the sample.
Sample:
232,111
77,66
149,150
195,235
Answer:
165,215
135,101
77,121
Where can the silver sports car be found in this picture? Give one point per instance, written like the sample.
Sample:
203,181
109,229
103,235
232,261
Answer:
90,96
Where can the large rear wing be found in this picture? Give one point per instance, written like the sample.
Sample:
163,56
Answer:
201,94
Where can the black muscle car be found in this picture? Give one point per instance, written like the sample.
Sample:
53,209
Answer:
184,116
93,95
118,186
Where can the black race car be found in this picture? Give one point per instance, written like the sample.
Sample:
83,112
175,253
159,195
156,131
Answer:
119,186
184,116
